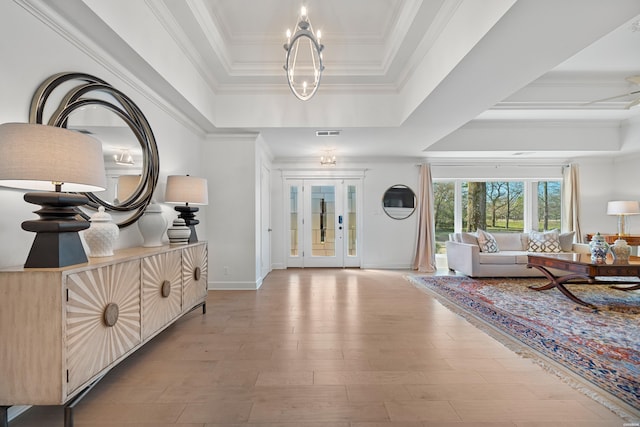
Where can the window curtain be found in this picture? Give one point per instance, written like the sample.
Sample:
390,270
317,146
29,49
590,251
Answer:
571,201
425,259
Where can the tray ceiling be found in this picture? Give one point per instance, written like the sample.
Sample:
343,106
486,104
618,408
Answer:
403,78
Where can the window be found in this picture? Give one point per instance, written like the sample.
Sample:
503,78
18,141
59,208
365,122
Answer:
493,205
444,210
549,205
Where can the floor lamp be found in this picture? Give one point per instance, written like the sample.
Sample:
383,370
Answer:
39,157
191,191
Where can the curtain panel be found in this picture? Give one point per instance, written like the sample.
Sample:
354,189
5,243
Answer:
425,258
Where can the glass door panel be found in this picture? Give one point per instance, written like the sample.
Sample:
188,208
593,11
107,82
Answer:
322,239
293,221
323,213
352,221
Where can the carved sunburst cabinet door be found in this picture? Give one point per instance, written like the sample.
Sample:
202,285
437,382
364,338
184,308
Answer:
103,318
161,290
194,275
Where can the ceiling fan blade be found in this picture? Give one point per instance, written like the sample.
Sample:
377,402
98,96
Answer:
633,104
613,97
634,79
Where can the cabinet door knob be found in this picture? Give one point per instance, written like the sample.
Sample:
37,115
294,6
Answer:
110,315
165,289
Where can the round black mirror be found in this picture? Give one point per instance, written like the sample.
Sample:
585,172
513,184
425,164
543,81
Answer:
399,202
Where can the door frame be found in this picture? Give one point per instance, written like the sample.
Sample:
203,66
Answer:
349,177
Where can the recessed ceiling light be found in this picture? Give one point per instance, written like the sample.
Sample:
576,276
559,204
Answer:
327,132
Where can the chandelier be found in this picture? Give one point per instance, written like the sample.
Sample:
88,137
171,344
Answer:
328,159
124,158
303,63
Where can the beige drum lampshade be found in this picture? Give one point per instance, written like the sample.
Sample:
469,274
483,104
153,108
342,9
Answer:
34,156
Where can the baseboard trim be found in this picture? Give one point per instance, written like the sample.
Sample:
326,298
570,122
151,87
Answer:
235,286
387,266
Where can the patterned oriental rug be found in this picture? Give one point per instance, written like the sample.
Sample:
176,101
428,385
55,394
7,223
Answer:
601,346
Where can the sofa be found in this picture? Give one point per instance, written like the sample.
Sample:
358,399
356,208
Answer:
502,254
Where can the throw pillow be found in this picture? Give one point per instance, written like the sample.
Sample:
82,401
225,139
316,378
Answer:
548,241
487,242
566,241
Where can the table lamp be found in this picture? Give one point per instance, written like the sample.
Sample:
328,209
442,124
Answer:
622,209
188,190
40,157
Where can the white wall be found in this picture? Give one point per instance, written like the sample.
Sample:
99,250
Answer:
232,167
386,242
32,52
596,189
625,174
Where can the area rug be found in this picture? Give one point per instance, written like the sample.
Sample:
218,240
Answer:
601,346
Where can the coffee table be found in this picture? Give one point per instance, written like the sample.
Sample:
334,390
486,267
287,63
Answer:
580,270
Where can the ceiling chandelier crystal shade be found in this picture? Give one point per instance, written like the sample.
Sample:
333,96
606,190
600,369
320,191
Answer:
124,158
328,160
303,63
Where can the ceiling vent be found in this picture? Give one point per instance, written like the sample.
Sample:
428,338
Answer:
327,132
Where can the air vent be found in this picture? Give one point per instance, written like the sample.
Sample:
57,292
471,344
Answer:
327,132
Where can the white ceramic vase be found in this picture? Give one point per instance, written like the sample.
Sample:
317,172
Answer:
101,235
620,251
152,225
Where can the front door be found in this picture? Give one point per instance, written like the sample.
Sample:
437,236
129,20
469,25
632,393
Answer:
324,226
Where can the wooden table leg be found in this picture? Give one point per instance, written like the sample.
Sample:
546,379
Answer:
557,282
627,288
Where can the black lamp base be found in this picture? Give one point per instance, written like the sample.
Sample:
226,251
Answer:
188,214
54,250
57,243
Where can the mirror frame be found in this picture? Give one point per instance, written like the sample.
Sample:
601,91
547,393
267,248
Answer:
415,200
80,96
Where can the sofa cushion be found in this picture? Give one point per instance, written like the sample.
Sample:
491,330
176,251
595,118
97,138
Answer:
509,241
469,238
548,241
496,258
487,242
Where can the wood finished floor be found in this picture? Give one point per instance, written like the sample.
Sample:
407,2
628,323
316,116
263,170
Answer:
327,348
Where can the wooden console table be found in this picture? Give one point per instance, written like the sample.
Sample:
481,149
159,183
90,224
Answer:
632,240
63,329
